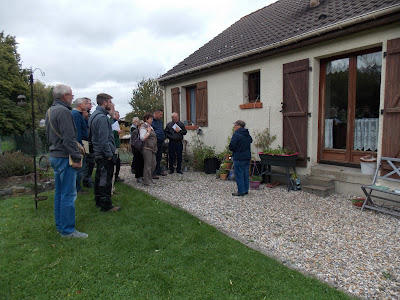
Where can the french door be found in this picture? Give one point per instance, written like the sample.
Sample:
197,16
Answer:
349,106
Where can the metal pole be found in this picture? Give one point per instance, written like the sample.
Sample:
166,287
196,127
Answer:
34,136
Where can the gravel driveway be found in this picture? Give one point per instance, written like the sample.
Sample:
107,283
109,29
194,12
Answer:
326,237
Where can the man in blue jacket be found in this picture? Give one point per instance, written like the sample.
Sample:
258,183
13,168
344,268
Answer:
241,154
159,130
81,134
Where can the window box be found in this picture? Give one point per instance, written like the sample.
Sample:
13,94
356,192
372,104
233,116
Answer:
192,127
251,105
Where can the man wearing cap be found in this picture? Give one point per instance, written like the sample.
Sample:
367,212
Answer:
241,155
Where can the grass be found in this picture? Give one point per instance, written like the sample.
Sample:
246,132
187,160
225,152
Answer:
149,250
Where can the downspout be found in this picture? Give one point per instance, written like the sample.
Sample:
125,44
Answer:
340,25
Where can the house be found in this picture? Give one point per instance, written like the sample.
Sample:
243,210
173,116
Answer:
324,77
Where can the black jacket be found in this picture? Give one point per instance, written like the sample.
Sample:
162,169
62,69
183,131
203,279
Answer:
240,145
172,135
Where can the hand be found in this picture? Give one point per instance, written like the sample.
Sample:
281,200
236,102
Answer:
177,129
148,129
77,165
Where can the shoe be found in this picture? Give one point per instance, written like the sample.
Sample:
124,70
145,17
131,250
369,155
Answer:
119,179
153,182
179,172
156,177
83,192
246,193
171,172
238,194
75,234
139,180
113,209
162,174
133,171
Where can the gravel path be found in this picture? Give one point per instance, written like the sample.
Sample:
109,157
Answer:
328,238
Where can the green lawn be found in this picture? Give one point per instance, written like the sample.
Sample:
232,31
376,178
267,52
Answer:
149,250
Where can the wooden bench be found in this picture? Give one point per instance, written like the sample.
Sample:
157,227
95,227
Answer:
378,190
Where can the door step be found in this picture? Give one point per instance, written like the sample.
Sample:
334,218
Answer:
321,191
317,185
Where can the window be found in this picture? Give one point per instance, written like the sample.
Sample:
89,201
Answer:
253,83
195,102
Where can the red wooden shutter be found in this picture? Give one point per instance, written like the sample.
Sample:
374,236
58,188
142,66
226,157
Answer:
201,104
391,112
295,108
175,100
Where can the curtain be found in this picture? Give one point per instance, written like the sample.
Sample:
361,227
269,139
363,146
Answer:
366,134
328,133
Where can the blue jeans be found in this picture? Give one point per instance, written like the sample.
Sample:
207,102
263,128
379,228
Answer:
65,194
241,168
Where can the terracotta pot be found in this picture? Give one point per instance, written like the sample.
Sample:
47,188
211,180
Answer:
358,201
255,185
223,176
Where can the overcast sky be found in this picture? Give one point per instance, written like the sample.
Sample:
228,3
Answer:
109,46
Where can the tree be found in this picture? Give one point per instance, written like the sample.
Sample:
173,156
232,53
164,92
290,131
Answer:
13,82
43,98
146,98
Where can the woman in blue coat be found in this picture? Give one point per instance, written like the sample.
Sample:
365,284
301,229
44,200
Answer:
241,155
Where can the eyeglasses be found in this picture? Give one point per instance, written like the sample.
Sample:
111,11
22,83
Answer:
70,95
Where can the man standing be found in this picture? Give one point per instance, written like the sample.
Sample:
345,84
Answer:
81,134
104,152
159,130
116,131
241,155
175,131
61,136
89,159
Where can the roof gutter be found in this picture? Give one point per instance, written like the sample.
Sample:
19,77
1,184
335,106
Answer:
340,25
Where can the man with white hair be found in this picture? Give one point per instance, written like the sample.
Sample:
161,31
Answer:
174,131
65,158
81,134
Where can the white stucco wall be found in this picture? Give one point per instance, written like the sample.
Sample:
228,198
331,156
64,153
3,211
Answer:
225,91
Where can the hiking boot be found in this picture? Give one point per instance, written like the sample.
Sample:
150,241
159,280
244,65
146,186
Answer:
119,179
75,234
88,184
139,180
114,208
238,194
156,177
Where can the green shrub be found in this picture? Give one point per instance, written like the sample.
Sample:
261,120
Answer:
15,164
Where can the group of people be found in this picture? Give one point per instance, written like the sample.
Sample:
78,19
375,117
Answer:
146,163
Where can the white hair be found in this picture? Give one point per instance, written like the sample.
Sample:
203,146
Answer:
79,101
60,89
135,119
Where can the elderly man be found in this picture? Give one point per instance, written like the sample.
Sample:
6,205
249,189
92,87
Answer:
103,142
81,134
89,159
159,130
174,131
65,158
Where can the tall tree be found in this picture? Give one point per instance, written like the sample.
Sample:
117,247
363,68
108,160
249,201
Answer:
13,82
146,98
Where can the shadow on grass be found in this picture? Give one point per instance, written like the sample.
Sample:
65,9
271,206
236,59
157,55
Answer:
149,250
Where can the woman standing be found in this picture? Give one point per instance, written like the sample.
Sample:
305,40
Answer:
137,161
148,136
241,155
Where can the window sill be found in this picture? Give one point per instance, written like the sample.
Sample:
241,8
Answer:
251,105
192,127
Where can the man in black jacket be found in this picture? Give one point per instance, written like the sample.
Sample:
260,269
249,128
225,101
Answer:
175,131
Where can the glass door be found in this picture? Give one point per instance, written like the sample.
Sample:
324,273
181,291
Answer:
350,98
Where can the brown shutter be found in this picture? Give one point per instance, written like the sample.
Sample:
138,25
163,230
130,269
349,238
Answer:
201,104
295,108
391,113
175,100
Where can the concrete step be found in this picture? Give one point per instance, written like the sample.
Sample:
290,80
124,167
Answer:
318,190
319,181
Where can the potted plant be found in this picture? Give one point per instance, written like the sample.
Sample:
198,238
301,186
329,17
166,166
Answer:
295,180
223,173
358,201
255,182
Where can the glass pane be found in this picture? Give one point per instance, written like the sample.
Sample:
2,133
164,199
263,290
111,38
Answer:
336,99
369,68
193,106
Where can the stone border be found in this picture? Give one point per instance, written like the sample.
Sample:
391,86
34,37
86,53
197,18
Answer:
16,191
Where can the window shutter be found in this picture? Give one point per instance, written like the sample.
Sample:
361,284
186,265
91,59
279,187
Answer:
201,104
295,108
391,112
175,100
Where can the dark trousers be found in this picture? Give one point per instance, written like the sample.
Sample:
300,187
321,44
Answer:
138,163
103,183
117,166
175,151
157,171
88,168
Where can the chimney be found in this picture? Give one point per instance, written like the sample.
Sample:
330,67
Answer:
314,3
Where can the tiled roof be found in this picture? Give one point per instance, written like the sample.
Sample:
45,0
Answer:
282,20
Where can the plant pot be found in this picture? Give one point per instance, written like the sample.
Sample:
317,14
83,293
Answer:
359,201
255,185
280,160
211,165
223,176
